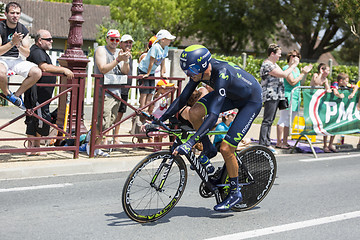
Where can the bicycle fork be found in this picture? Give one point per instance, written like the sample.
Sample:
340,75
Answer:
162,170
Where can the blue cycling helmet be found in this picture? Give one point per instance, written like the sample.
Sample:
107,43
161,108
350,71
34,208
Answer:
194,60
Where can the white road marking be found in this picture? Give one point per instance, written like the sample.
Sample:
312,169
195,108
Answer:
35,187
329,158
288,227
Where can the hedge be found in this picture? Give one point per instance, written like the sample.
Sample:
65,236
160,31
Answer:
253,66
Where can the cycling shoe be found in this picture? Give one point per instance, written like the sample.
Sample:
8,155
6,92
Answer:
229,202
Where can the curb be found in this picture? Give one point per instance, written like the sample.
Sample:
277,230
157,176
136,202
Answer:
51,168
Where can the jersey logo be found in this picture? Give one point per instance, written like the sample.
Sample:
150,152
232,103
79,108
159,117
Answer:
244,79
222,92
223,76
240,136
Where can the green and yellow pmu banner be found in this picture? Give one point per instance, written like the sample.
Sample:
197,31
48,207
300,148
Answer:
326,114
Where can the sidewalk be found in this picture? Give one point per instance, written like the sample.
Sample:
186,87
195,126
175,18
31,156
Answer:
57,163
13,166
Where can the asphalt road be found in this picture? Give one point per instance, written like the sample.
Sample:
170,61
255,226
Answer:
314,199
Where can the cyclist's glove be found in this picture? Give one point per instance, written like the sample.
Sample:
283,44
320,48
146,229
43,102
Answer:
184,148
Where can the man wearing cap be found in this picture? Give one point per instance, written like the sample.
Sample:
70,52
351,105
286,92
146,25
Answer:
110,61
155,57
126,43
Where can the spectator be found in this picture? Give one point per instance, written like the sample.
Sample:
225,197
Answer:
293,80
15,40
226,120
155,57
161,105
126,43
151,42
272,89
112,62
342,82
320,79
36,94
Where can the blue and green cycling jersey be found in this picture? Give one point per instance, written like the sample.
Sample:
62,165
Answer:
233,88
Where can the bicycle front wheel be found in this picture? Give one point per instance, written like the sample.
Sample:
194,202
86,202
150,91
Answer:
154,187
257,172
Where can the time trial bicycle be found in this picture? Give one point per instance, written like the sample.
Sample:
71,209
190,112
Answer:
157,182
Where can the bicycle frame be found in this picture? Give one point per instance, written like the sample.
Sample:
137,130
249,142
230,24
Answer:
191,157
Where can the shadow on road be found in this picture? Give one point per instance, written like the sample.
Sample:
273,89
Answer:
121,219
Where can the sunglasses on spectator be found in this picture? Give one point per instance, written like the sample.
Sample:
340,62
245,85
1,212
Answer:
47,39
114,39
295,55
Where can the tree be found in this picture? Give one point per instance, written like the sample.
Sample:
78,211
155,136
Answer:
349,51
316,25
153,14
231,25
350,10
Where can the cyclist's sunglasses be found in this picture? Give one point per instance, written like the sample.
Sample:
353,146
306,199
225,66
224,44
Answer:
192,71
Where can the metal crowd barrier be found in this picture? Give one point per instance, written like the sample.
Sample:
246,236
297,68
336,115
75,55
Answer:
76,90
104,133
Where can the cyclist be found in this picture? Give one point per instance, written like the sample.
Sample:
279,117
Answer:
233,88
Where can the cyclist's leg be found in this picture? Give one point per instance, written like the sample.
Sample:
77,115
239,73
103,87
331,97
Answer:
197,113
240,126
202,109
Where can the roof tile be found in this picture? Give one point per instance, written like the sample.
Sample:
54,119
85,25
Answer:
54,17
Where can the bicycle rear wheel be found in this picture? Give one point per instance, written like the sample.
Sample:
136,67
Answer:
146,195
260,162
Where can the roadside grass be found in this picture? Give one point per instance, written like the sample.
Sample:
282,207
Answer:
258,120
